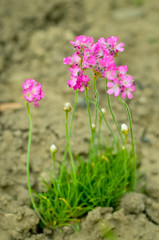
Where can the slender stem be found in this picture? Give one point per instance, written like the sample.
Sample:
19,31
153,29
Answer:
114,119
89,116
69,149
130,123
54,168
28,170
107,124
99,131
81,64
126,138
96,109
132,141
97,97
72,164
73,114
92,146
70,129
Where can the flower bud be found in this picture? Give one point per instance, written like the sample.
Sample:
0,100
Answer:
103,111
93,127
53,148
67,107
124,128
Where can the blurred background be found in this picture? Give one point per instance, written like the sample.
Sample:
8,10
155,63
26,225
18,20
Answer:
34,40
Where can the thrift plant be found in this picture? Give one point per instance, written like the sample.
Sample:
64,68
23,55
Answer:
109,170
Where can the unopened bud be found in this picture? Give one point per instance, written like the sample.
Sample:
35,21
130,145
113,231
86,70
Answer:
124,128
93,126
53,148
103,111
67,107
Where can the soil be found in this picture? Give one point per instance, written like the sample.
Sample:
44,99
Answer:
34,40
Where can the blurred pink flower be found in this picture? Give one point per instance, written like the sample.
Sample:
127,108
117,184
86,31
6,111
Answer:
32,91
128,92
114,88
113,46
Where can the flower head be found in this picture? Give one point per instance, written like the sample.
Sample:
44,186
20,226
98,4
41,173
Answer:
53,148
32,91
99,56
128,92
103,111
124,128
67,107
93,127
78,81
114,88
82,43
113,47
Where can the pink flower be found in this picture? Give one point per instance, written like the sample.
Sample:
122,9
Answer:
68,60
110,73
128,92
28,83
82,40
28,94
120,46
32,91
126,81
107,61
99,56
109,68
72,82
88,59
99,49
114,88
74,70
76,59
80,81
82,43
123,69
113,46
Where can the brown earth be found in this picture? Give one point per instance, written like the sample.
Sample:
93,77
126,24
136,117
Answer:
34,40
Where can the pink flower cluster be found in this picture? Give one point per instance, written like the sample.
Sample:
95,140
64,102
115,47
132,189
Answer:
99,56
32,91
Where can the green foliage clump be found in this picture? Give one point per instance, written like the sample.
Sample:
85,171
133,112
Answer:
100,181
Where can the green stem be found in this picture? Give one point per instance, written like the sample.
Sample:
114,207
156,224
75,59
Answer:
107,124
126,137
130,123
132,141
28,170
96,96
72,164
68,146
54,168
70,129
96,109
69,149
111,111
90,121
92,146
99,131
81,64
73,114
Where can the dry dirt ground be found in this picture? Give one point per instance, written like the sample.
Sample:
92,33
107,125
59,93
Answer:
34,40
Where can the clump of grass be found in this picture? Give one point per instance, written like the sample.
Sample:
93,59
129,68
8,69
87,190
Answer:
100,181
